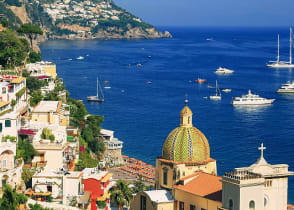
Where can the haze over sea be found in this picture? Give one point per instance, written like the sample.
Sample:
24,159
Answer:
142,115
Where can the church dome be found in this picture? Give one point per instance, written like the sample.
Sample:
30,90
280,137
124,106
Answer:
186,143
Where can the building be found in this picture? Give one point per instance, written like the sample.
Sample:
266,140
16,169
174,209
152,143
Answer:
63,185
51,112
42,68
259,186
10,169
13,94
112,154
10,124
96,183
153,200
185,151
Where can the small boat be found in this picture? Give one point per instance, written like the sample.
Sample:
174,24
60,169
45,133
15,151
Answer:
96,98
80,58
199,80
148,82
227,90
105,82
149,56
209,86
218,95
70,59
222,70
286,88
107,87
251,99
209,39
139,64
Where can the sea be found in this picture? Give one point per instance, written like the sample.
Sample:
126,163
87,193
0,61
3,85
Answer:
150,79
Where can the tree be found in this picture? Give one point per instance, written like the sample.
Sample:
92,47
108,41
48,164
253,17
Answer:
13,50
25,150
8,200
37,206
34,83
35,57
36,97
31,31
120,194
139,185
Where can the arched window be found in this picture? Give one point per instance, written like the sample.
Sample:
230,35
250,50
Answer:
231,205
165,176
251,205
188,120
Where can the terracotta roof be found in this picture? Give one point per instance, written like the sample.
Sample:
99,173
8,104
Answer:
2,28
290,207
205,185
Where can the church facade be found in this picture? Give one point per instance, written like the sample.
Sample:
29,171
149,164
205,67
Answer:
186,178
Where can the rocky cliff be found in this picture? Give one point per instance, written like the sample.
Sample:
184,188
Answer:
82,19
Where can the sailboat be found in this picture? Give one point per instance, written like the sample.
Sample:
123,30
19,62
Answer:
96,98
217,95
283,64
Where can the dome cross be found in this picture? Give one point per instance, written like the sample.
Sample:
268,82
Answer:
261,148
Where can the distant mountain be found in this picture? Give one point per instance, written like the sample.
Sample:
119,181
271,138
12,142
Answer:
79,19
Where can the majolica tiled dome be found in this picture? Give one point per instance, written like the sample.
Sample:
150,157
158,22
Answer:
186,143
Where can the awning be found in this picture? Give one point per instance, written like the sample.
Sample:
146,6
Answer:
70,138
26,132
43,77
29,192
105,196
42,193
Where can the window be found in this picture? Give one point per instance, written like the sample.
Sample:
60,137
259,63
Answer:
49,188
4,163
142,202
231,205
0,127
3,90
192,207
181,205
7,123
203,209
265,201
165,176
251,205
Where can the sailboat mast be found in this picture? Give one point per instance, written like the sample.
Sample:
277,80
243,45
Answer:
290,59
97,88
216,87
278,57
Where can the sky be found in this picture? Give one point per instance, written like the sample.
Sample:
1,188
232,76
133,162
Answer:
245,13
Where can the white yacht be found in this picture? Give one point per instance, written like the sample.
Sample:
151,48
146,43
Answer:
251,99
286,88
283,64
227,90
97,98
218,95
222,70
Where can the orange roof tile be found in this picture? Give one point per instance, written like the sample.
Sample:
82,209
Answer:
205,185
290,207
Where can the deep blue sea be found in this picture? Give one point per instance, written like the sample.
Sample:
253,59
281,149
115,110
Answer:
142,115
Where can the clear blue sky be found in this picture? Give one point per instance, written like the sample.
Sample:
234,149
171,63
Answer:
212,12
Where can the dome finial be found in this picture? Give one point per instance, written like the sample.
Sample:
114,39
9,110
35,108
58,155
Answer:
186,99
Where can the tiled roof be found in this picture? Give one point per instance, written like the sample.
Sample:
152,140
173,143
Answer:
18,80
290,207
203,184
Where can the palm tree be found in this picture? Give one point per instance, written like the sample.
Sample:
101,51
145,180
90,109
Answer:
120,194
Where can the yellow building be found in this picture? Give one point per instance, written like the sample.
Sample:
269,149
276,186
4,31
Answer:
185,151
51,112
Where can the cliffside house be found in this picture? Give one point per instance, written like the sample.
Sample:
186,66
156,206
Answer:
51,112
10,169
42,68
112,154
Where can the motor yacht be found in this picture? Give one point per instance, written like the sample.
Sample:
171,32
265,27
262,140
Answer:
222,70
251,99
286,88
